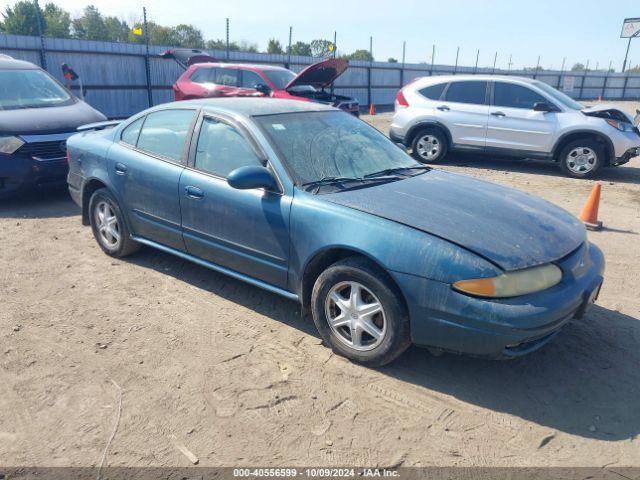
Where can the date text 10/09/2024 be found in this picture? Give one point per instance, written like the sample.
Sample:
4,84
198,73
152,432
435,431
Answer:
315,472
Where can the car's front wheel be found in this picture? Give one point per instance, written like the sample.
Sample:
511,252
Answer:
582,158
360,313
429,146
108,225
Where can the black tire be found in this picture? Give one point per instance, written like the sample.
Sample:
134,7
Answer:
396,332
125,246
442,144
569,152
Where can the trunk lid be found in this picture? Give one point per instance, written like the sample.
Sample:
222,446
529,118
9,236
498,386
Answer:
512,229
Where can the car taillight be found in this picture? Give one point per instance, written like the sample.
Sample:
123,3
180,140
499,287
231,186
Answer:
401,101
68,157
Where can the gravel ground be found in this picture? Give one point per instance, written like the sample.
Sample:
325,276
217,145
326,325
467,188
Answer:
237,376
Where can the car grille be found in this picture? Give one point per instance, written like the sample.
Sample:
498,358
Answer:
44,150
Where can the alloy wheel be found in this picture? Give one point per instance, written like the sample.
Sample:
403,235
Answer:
428,147
107,225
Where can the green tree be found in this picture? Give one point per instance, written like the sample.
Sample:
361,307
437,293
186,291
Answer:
91,25
321,48
274,46
57,21
361,54
578,67
392,60
21,19
117,30
300,48
187,36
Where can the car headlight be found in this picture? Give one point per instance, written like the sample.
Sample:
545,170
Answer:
622,126
10,144
512,284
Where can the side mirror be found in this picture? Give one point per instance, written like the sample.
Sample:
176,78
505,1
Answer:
247,178
262,88
544,107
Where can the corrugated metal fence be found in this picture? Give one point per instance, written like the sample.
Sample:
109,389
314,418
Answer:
114,73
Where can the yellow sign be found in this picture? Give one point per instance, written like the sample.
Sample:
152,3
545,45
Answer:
331,47
137,31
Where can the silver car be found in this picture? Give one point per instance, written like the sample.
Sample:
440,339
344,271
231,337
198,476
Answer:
513,117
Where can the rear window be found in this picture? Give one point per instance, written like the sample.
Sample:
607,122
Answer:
164,133
203,75
227,76
433,92
467,92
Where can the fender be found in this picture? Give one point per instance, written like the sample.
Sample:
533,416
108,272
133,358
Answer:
408,139
586,132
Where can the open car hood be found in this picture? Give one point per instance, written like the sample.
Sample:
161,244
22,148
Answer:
512,229
608,111
188,56
321,74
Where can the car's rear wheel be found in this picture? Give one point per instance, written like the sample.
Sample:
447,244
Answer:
429,146
582,158
108,225
360,313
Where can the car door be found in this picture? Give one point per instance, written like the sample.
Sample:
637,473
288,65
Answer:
244,230
146,165
248,82
464,111
514,124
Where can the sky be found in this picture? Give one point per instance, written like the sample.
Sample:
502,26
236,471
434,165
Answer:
578,30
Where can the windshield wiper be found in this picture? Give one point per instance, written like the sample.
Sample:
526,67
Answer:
338,180
397,170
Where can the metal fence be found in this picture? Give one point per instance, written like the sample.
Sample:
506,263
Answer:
115,79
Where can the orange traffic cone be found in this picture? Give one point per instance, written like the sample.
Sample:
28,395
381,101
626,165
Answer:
372,109
589,213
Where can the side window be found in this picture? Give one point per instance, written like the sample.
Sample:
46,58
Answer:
130,134
227,76
434,92
164,133
203,75
222,149
251,79
515,96
467,92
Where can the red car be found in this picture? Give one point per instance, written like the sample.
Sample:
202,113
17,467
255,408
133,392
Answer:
205,77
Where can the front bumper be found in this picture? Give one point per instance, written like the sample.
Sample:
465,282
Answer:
626,146
626,156
444,319
40,162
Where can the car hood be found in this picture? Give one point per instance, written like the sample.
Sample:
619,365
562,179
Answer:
607,111
321,74
512,229
33,121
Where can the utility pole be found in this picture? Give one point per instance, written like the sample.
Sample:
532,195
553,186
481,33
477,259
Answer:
510,62
475,70
227,46
146,56
335,48
289,49
433,57
455,69
43,49
495,59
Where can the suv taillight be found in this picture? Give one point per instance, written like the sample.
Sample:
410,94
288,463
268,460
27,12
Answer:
401,101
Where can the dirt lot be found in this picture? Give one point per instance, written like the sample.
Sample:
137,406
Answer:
239,378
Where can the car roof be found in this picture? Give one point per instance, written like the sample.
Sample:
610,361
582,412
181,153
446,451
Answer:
255,66
486,77
8,63
251,107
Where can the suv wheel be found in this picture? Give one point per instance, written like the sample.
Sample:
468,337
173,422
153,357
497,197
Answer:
358,312
108,225
581,158
429,146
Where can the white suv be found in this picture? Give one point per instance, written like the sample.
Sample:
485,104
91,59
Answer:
513,117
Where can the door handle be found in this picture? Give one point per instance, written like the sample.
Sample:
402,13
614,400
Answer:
121,168
498,114
444,108
194,192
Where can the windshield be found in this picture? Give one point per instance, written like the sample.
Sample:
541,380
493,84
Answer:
280,78
566,100
327,145
30,89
